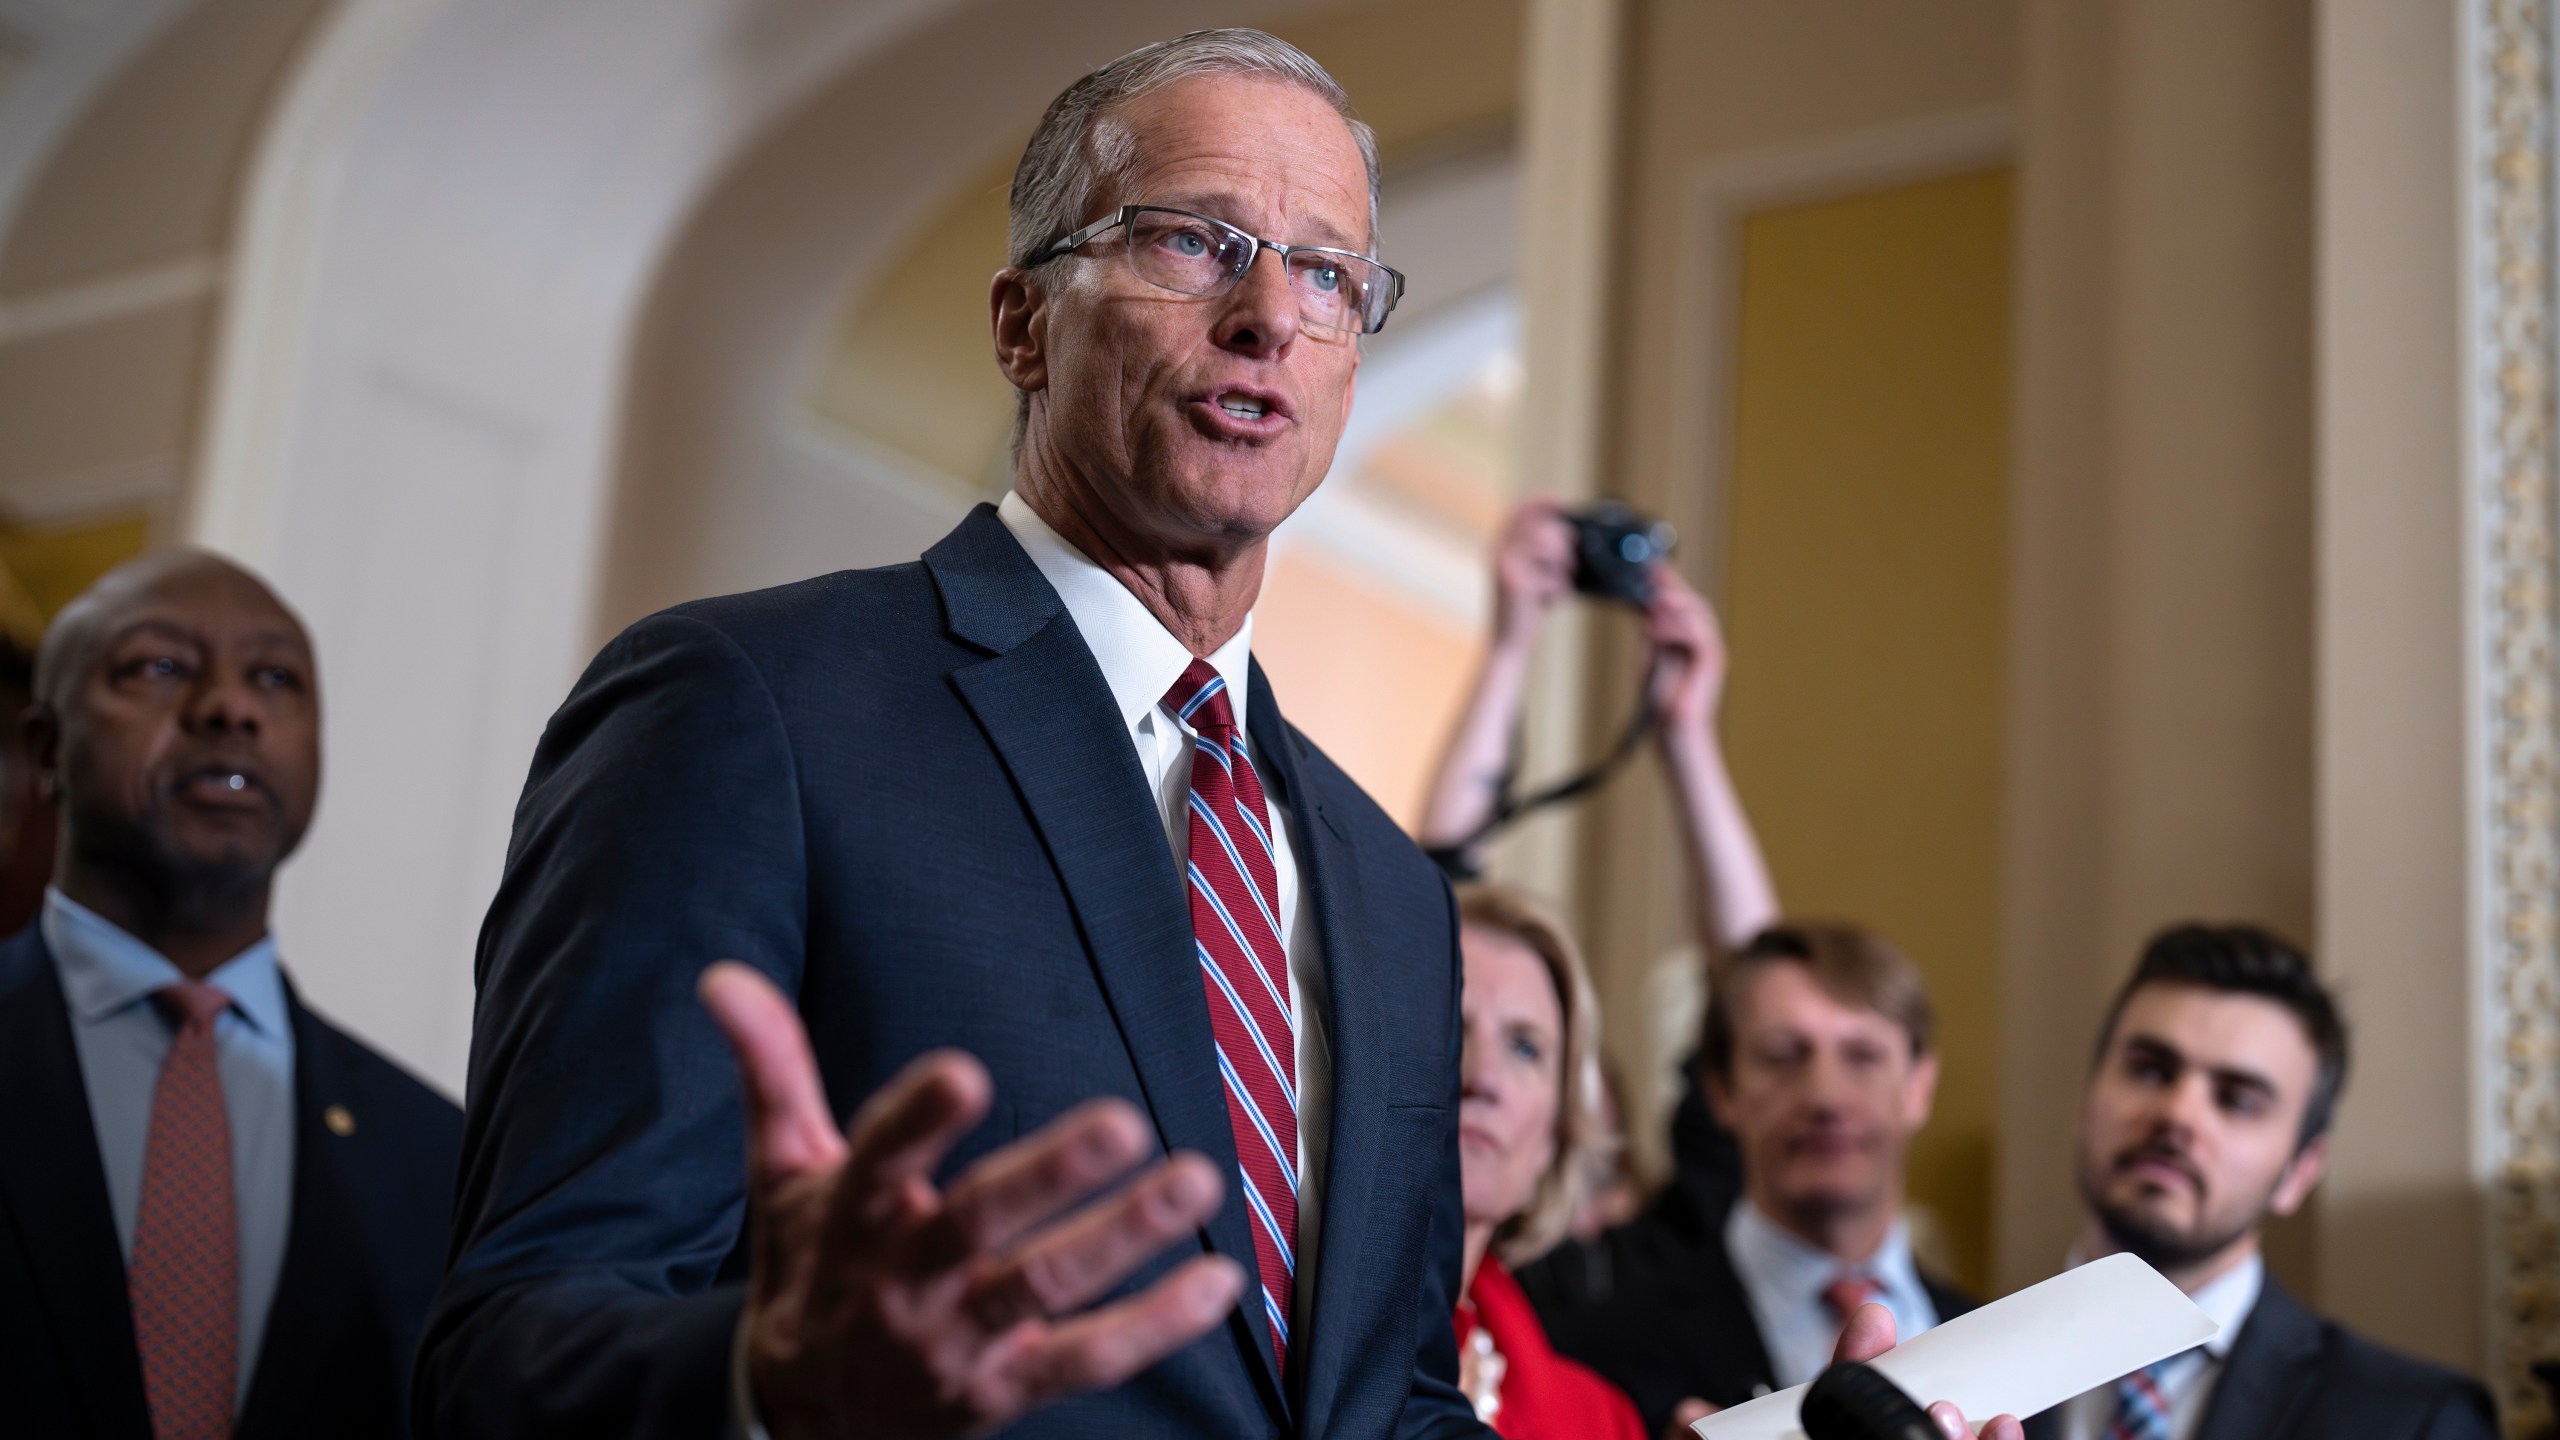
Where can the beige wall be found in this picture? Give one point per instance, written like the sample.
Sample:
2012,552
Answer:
2161,720
1865,592
2400,1233
1711,85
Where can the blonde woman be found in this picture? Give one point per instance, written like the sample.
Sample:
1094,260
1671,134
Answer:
1529,1119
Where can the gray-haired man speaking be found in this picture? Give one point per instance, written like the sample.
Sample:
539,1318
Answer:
1019,865
1023,870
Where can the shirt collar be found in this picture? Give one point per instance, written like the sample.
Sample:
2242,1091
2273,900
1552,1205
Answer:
1140,659
1786,1263
2227,1300
106,970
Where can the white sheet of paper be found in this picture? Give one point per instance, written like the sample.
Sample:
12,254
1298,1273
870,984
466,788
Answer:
2018,1356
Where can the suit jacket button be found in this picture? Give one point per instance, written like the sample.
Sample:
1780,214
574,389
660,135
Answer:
341,1122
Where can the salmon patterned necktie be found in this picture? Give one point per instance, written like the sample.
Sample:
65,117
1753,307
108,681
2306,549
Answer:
185,1275
1846,1293
1235,927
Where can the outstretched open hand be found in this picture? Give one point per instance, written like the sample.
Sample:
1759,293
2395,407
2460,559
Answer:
881,1305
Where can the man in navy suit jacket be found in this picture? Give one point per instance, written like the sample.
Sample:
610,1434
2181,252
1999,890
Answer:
990,899
273,1285
2218,1071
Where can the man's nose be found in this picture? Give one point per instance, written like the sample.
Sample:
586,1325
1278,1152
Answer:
1261,315
224,703
2190,1103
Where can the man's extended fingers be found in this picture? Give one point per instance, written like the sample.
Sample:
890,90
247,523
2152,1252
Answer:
902,1132
1001,1197
1868,1334
1077,1261
1099,1350
790,1131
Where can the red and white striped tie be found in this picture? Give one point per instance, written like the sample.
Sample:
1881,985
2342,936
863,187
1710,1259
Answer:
1235,922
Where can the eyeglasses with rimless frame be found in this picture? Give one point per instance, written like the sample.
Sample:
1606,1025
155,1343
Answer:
1193,254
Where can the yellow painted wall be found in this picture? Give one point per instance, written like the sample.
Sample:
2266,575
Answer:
1866,602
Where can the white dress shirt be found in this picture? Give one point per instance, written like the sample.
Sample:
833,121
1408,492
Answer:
2226,1300
1141,660
1784,1276
121,1040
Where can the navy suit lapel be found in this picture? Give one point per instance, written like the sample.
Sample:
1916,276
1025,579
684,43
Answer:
1358,1047
2269,1373
54,1186
318,1291
1050,716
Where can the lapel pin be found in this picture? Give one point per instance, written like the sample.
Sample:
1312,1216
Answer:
340,1120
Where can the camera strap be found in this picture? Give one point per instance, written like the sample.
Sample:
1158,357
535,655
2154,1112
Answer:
1459,860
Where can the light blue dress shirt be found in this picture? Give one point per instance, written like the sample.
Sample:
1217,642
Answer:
122,1038
1784,1275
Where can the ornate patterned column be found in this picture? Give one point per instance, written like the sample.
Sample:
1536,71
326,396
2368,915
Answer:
2520,801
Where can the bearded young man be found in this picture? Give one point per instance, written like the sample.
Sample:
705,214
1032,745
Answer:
2218,1073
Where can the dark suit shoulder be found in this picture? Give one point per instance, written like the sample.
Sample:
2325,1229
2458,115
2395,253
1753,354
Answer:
2296,1375
2362,1376
23,961
1385,849
419,1108
795,613
1948,1300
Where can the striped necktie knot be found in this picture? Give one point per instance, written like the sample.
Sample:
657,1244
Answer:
1200,699
2142,1402
1847,1292
192,1004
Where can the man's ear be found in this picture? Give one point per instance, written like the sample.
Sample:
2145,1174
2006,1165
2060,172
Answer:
42,730
1920,1092
1018,313
2295,1185
1719,1095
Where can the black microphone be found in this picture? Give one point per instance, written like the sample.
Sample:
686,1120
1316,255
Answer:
1851,1401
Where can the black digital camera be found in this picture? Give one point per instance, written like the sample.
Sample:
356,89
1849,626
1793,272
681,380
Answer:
1613,552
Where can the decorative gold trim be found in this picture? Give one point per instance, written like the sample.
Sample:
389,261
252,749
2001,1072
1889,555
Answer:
2523,778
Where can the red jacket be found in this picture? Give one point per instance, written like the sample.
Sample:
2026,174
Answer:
1544,1395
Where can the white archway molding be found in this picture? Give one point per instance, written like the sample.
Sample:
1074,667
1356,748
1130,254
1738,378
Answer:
56,59
417,440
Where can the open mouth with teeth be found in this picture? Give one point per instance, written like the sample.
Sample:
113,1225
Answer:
1243,407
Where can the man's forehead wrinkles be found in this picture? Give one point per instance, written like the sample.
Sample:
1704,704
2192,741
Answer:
171,626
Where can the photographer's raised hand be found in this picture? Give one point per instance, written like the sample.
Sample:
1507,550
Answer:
1731,886
1688,655
880,1305
1532,570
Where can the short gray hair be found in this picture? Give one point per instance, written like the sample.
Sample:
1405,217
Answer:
1069,160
